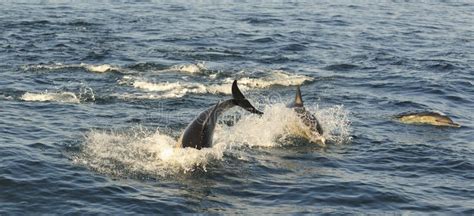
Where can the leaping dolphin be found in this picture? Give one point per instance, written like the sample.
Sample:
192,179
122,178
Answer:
308,119
199,133
430,118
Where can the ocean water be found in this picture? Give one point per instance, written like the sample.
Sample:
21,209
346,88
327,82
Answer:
93,97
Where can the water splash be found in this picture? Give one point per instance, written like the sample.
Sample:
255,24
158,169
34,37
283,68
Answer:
335,121
138,152
86,93
279,123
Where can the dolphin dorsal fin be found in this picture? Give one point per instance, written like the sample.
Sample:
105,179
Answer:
236,93
298,100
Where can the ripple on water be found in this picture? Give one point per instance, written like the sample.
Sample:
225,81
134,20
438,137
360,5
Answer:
341,67
68,150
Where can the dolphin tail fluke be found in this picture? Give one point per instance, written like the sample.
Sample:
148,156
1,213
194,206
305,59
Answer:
298,99
236,93
241,101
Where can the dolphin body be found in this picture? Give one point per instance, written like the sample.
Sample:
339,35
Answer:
199,133
308,119
430,118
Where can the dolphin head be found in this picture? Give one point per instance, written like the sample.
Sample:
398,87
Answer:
444,121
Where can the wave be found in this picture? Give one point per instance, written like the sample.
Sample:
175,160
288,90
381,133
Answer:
259,20
197,68
102,68
267,79
273,77
85,94
263,40
174,89
5,97
181,88
66,97
294,47
137,152
192,68
98,68
341,67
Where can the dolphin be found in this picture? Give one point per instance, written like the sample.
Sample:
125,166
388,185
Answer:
199,133
308,119
430,118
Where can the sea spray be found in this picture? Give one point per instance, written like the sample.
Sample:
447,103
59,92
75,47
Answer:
137,151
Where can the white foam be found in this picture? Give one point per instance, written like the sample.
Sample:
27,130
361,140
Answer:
149,86
57,66
98,68
279,122
66,97
274,77
138,152
196,68
141,96
335,121
257,131
180,89
85,94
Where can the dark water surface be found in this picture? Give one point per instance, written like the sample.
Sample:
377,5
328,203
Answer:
94,96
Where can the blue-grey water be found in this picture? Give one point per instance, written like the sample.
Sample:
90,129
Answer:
93,97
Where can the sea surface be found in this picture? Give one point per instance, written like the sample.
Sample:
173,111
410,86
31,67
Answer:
94,96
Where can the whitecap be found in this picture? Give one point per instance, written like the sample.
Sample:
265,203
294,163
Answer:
66,97
98,68
85,94
175,89
101,68
274,77
181,88
196,68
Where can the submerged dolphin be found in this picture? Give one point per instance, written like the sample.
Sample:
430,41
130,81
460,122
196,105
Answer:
198,134
308,119
431,118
